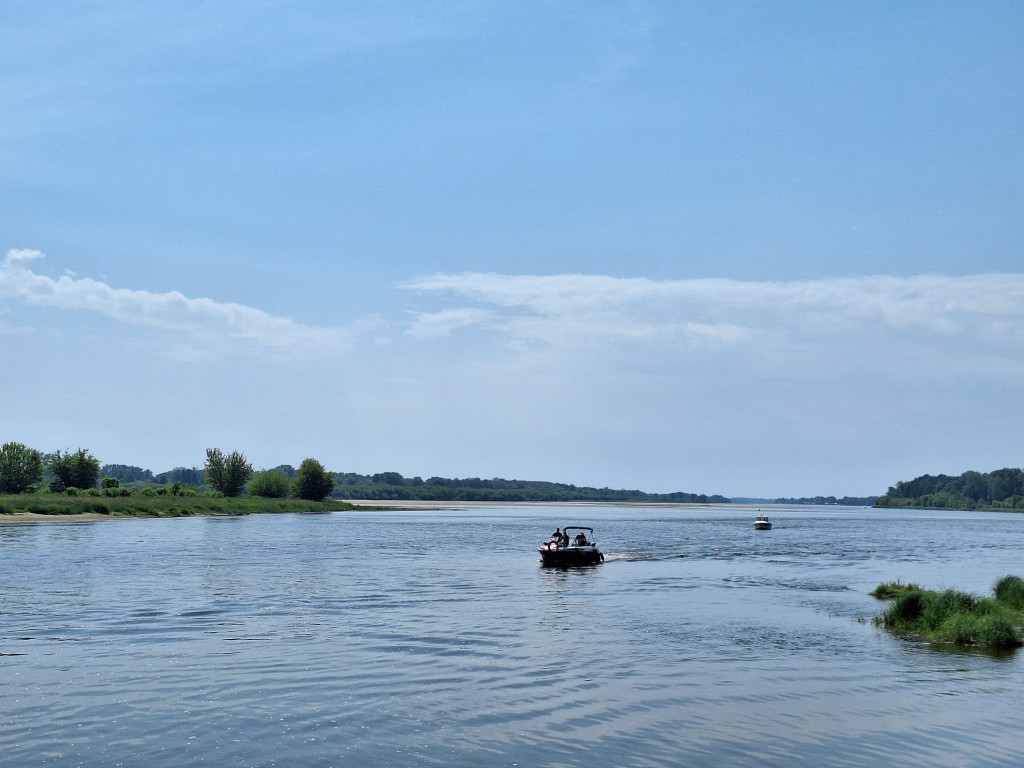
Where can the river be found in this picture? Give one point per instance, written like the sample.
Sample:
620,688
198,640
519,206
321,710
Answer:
434,638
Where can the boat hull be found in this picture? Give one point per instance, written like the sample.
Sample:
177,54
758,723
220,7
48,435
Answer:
569,557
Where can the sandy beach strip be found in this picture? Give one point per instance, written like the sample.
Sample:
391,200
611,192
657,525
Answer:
34,517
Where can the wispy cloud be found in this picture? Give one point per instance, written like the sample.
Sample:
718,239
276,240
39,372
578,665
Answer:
430,325
979,311
202,320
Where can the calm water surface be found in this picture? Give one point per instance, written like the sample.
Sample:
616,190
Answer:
434,638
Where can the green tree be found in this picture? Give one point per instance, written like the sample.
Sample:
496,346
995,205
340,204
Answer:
270,484
21,468
312,482
227,474
73,470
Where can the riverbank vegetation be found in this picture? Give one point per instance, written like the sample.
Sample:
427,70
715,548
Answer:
186,503
26,470
954,617
1002,489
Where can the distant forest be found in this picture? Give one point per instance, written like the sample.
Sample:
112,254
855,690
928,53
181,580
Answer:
1001,489
392,486
845,501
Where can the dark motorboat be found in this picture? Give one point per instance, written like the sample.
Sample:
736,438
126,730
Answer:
575,546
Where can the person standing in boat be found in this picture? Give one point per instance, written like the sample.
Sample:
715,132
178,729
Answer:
556,538
563,540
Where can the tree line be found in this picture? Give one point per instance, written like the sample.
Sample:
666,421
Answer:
1000,489
392,486
845,501
28,470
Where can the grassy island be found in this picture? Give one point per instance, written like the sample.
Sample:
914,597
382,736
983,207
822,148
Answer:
139,505
955,617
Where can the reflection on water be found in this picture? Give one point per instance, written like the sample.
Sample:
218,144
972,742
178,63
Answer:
435,638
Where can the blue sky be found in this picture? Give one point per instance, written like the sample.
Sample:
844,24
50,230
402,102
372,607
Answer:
748,248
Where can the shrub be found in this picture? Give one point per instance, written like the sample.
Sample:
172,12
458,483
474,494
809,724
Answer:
1010,590
908,607
270,484
997,631
110,482
183,489
961,629
73,470
948,603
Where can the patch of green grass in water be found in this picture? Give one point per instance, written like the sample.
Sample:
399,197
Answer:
951,616
892,589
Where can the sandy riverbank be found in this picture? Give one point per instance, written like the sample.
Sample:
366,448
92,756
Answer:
33,517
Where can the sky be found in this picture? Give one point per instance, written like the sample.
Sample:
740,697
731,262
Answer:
745,248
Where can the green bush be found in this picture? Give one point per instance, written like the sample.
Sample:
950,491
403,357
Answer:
909,606
73,470
182,489
997,631
1010,591
940,607
269,484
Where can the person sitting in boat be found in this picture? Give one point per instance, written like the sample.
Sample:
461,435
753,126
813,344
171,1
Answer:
580,540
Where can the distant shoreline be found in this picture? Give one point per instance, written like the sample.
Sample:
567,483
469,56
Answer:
371,505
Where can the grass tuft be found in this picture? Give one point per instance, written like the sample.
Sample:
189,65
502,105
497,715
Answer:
892,589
